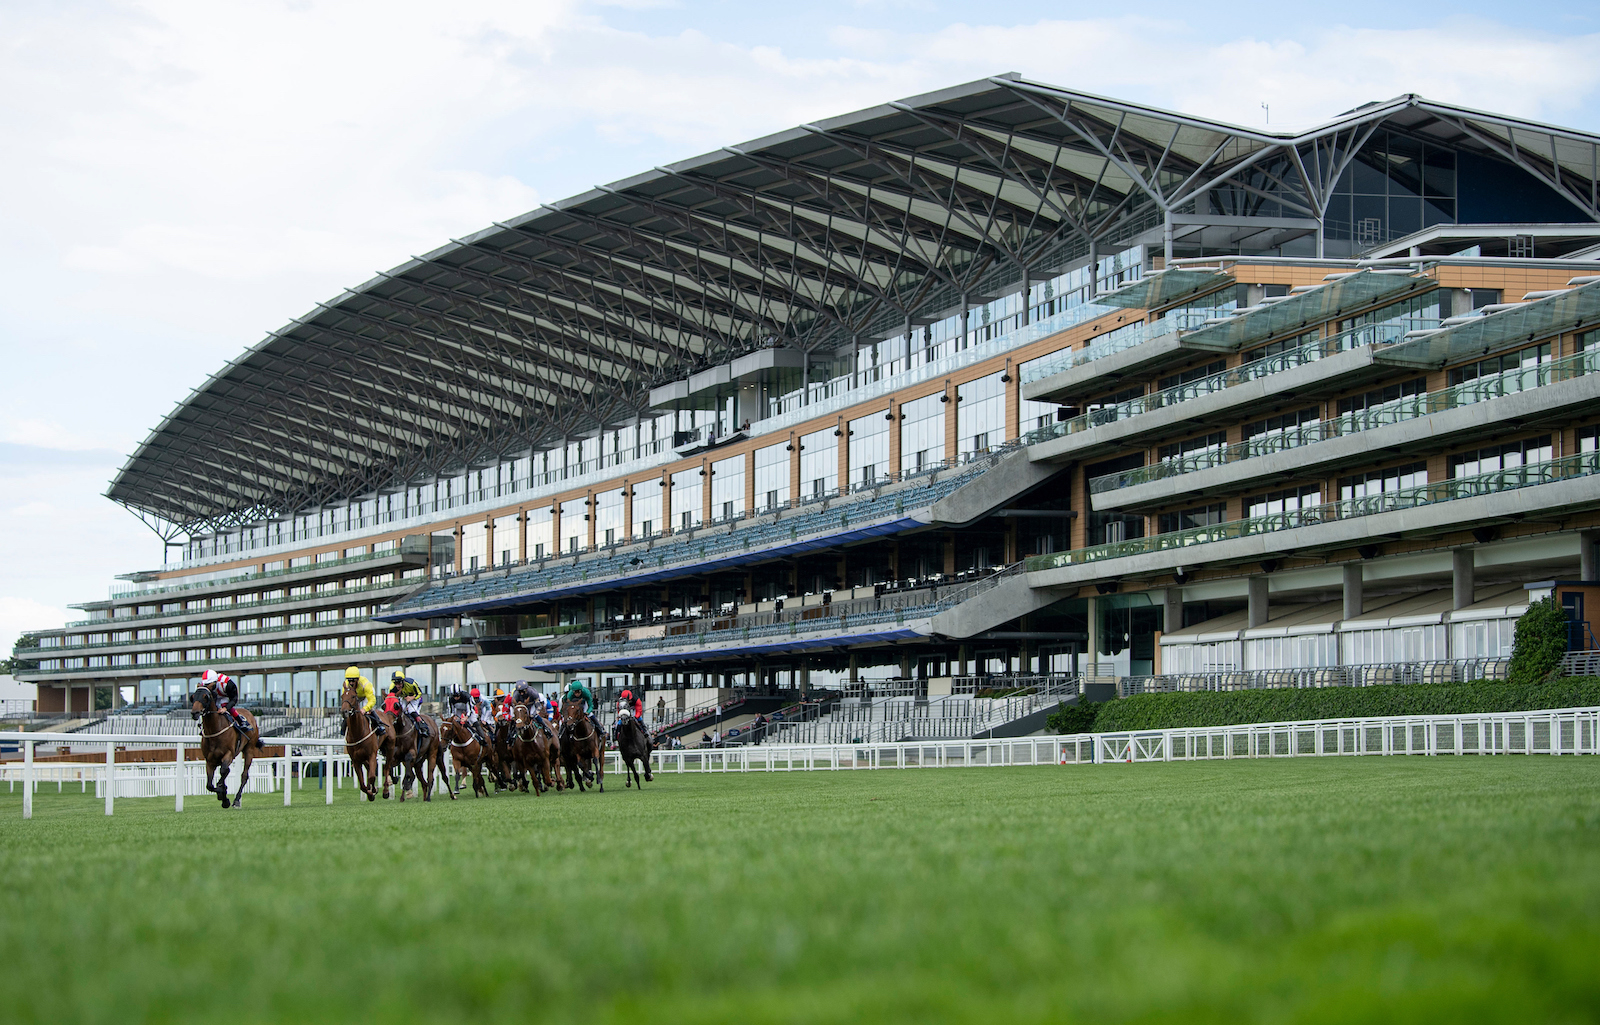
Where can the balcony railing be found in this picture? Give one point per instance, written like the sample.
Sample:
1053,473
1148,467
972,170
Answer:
164,668
117,623
1400,410
1499,481
1456,671
1266,366
1124,338
272,574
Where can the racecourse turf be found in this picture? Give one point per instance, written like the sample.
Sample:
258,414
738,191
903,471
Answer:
1404,889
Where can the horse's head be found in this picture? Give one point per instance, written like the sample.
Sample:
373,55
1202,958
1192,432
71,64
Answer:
201,702
349,700
572,710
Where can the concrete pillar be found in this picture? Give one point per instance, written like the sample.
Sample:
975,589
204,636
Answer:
1171,609
1461,582
1587,542
1258,601
1093,648
1352,590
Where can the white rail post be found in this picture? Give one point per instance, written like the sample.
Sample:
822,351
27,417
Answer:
177,802
327,774
111,775
288,775
27,779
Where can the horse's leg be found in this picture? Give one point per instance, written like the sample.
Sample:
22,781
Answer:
244,773
370,765
211,771
224,765
599,750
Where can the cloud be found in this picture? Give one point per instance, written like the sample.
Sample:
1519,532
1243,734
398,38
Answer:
19,614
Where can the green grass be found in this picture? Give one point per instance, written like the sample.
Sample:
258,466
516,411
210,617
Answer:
1403,889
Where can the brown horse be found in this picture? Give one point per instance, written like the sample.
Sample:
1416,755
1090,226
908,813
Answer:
363,744
465,751
530,749
583,748
422,756
221,743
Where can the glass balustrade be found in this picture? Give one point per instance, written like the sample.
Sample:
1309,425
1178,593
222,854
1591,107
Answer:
1496,482
1398,411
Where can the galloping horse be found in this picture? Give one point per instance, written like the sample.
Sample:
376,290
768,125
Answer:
634,743
362,743
530,749
465,751
221,743
420,755
582,747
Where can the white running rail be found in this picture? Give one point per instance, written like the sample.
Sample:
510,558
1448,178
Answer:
1566,731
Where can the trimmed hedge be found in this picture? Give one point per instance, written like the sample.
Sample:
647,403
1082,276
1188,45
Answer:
1224,708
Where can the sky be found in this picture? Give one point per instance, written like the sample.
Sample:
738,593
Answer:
182,176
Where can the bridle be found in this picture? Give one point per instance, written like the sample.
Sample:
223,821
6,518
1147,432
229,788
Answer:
345,714
209,708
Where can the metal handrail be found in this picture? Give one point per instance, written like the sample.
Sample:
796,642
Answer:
1412,407
1496,482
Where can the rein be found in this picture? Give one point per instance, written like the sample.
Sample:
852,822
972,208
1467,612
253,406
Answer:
352,743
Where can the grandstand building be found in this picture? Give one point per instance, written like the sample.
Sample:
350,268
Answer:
1004,379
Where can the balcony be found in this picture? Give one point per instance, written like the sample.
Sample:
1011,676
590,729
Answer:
892,615
264,663
1571,473
763,538
1132,488
1326,365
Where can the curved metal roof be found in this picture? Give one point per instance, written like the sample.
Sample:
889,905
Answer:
559,321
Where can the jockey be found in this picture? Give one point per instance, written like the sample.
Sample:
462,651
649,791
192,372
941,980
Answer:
478,714
225,690
523,694
410,700
631,706
577,690
369,698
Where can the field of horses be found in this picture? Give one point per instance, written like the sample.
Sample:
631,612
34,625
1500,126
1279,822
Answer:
1374,888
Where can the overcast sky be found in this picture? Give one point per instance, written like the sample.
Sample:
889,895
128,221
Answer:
182,176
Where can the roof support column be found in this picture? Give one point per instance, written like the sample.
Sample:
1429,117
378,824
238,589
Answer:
1166,238
1094,267
1027,285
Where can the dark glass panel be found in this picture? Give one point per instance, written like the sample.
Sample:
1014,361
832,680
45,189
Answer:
1405,216
1439,174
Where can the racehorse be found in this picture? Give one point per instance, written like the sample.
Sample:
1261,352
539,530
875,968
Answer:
420,755
465,751
530,749
362,743
634,743
221,743
582,747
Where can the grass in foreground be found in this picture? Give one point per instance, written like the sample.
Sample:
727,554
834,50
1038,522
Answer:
1317,890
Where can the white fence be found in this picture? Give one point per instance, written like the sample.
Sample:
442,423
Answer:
1568,731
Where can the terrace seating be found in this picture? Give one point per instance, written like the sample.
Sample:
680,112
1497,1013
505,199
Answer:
696,548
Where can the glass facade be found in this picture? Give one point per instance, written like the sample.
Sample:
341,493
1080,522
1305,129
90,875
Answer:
981,415
647,509
922,434
687,512
869,450
819,464
727,488
772,477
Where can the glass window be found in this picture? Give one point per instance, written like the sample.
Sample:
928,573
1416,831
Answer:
1287,500
541,539
1179,449
1377,482
1519,360
686,497
922,434
507,540
574,525
1202,516
1378,396
981,415
869,449
772,477
727,488
1501,457
608,528
819,462
647,509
